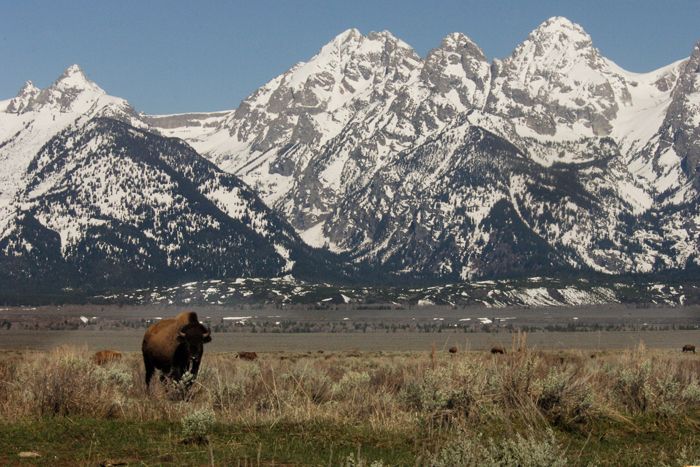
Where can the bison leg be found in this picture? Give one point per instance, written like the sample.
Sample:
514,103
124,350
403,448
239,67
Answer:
195,367
149,370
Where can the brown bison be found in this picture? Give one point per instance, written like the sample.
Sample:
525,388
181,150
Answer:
452,350
106,356
174,346
498,349
250,356
689,348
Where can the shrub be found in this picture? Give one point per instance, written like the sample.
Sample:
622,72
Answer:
430,394
197,425
691,393
181,389
116,375
667,395
350,383
633,387
359,461
564,397
518,451
66,383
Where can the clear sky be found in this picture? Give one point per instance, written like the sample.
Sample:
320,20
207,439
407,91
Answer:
178,56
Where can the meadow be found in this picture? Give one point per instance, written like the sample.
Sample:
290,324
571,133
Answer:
636,406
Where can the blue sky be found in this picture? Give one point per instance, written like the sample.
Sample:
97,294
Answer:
176,56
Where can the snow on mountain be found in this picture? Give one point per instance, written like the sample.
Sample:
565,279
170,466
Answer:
371,90
448,166
23,98
110,205
557,86
531,292
675,149
34,116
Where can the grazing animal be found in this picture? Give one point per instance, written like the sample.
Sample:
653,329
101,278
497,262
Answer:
689,348
452,350
174,346
106,356
498,349
250,356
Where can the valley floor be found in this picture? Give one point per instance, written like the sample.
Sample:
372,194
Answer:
129,340
634,406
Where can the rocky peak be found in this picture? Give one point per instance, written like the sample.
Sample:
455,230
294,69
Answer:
557,69
23,97
456,42
565,31
349,68
682,122
73,79
458,65
694,61
349,35
555,44
70,87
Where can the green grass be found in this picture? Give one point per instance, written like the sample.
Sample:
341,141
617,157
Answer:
637,442
85,441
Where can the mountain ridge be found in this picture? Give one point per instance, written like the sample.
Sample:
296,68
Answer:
443,167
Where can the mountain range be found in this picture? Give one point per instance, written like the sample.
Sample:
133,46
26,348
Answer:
367,162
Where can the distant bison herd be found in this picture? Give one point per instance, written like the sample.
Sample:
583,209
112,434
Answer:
175,347
106,356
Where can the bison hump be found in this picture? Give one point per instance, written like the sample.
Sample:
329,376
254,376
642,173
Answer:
187,317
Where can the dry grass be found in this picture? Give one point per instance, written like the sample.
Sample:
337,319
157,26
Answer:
433,396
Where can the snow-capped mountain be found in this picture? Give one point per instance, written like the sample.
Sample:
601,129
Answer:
370,149
34,116
447,167
110,205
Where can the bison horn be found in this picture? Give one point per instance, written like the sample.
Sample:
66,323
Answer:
208,333
181,334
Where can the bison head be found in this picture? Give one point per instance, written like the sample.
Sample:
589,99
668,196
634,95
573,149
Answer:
193,336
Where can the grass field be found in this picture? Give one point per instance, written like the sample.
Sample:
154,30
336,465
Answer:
637,406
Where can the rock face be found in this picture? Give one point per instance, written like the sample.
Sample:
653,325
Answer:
35,115
369,149
680,131
557,82
109,205
447,167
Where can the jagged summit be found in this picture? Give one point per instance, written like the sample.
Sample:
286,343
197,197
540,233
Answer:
73,77
28,88
561,25
72,70
71,90
457,39
36,115
555,40
559,33
23,97
447,165
695,55
347,35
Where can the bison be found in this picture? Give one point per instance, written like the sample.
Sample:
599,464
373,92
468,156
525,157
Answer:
689,348
174,346
250,356
106,356
452,350
498,349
